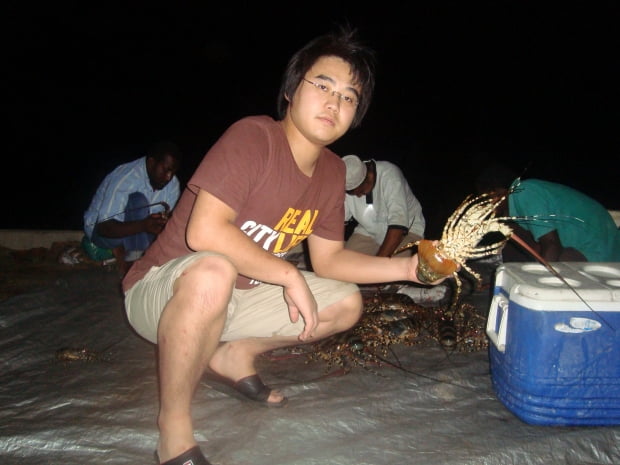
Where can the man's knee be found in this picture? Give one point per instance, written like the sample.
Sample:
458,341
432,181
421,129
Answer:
210,272
350,311
362,244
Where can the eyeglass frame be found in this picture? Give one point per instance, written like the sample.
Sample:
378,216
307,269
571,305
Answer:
328,90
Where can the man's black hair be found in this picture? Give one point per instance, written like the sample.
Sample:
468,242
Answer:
343,44
493,176
160,149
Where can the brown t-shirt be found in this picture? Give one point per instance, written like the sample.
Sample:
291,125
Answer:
252,170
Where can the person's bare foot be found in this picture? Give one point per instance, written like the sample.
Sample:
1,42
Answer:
230,361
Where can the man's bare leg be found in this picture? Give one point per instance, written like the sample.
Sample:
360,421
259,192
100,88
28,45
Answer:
189,331
121,265
235,359
188,341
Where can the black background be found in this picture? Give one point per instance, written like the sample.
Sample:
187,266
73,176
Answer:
533,84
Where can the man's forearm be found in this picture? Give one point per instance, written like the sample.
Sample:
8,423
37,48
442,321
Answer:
393,238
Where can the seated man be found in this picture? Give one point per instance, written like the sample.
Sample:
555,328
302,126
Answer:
557,221
388,215
379,198
381,206
131,206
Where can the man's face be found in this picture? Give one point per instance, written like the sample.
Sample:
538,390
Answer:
161,172
321,109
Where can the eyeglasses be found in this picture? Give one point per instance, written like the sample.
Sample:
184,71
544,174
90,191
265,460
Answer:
349,100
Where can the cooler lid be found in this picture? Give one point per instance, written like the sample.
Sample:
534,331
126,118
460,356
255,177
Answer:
592,282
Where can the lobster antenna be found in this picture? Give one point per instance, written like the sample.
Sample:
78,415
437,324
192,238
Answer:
557,274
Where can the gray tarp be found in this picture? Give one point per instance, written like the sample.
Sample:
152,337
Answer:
437,408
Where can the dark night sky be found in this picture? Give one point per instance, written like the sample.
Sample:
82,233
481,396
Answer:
459,82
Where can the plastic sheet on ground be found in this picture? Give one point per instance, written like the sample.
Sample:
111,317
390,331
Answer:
434,407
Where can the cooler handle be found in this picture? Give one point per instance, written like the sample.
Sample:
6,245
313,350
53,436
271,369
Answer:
498,337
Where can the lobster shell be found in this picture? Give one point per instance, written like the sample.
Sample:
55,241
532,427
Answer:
432,264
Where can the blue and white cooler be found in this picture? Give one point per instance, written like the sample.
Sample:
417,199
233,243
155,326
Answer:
555,349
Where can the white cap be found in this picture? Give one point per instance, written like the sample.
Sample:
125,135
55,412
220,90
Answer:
356,171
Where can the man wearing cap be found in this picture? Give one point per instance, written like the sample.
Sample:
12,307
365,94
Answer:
381,201
388,216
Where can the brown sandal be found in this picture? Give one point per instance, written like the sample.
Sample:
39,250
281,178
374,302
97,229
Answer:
192,456
251,387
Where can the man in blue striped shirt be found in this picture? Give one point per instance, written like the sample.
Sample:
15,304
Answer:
132,205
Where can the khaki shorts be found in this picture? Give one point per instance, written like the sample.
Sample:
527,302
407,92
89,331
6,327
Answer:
368,246
257,312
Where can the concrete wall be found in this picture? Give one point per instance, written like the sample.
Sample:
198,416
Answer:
21,239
